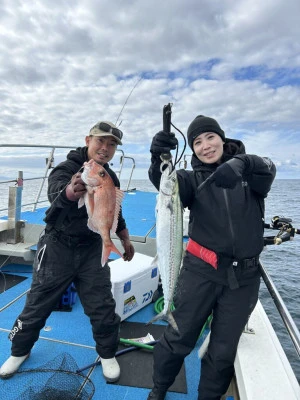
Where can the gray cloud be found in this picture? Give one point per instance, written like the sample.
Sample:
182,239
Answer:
65,66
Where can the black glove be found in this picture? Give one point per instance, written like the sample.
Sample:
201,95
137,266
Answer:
163,142
228,174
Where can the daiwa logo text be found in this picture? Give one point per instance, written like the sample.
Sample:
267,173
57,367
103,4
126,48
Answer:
268,162
16,329
147,296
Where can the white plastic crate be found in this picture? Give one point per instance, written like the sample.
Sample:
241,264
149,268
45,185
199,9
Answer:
133,283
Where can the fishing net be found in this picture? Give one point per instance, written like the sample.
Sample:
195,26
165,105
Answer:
55,380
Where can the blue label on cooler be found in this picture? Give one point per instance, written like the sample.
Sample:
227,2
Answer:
127,286
154,272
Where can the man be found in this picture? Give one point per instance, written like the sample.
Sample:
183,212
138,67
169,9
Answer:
220,273
68,251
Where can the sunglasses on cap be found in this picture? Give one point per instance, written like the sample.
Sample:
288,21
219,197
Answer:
105,127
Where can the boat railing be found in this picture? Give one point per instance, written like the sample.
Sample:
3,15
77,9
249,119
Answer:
17,183
282,309
50,164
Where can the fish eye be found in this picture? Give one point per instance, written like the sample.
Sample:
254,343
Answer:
102,174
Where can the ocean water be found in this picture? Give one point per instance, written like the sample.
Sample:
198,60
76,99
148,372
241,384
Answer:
281,262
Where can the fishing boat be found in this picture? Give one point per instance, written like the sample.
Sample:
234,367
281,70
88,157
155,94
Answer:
66,346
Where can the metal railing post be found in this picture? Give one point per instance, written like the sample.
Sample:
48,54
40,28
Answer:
48,166
132,169
14,211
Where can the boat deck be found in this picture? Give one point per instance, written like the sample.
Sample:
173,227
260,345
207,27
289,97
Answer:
70,332
138,209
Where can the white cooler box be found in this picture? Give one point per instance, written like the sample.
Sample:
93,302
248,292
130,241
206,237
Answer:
133,283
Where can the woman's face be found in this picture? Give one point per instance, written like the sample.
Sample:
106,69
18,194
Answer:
208,147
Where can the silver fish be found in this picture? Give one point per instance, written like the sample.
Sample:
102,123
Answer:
169,231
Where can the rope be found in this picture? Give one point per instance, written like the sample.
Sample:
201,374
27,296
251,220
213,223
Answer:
159,306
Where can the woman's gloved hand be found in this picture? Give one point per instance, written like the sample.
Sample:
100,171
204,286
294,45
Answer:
163,142
229,173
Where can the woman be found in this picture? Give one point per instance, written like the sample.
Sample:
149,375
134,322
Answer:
220,273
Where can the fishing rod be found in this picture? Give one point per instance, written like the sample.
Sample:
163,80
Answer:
127,100
134,346
167,123
49,165
50,161
286,231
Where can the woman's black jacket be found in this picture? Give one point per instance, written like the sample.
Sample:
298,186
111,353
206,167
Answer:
228,221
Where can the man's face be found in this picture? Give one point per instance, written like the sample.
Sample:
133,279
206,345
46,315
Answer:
208,147
101,148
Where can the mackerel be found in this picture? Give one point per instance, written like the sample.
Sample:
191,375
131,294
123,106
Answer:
169,232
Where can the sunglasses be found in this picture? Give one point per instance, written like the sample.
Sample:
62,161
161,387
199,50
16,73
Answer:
103,126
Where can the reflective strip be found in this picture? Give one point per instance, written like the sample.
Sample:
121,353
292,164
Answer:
203,253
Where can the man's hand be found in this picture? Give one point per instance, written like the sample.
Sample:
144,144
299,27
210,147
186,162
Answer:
76,188
163,142
128,250
126,243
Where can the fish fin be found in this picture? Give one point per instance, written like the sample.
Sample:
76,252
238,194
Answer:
119,198
81,202
106,250
154,262
89,202
91,226
204,346
168,317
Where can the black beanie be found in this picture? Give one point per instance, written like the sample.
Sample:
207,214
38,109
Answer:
203,124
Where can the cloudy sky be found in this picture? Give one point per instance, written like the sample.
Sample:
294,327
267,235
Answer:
67,64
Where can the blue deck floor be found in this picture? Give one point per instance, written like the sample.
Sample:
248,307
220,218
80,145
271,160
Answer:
70,332
138,208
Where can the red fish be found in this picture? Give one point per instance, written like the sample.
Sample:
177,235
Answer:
103,202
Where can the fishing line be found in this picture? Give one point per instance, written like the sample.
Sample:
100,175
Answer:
177,159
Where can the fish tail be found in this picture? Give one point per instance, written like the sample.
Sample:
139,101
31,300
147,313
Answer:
106,250
204,346
166,316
